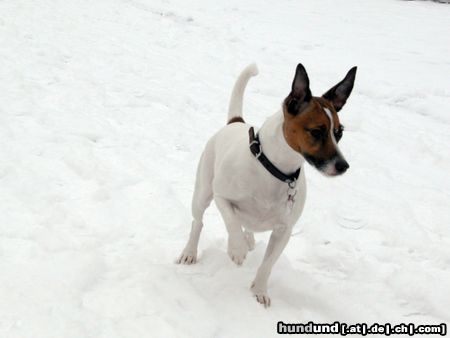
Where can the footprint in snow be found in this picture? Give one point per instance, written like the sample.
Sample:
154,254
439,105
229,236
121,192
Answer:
351,219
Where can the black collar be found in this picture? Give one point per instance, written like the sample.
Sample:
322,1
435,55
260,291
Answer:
255,148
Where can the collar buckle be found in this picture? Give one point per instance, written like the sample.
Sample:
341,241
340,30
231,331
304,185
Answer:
257,144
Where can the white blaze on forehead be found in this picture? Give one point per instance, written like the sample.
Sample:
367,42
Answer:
330,116
330,168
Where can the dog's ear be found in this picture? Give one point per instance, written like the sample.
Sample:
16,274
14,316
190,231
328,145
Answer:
300,94
339,94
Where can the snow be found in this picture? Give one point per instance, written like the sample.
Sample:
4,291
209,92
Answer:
105,107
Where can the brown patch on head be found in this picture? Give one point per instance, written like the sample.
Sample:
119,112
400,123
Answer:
327,104
308,131
236,119
311,125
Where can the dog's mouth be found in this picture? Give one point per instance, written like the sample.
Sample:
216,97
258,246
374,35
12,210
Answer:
334,166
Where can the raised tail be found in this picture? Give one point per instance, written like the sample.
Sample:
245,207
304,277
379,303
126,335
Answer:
237,96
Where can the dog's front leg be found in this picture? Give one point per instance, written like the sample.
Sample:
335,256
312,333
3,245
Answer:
237,244
278,240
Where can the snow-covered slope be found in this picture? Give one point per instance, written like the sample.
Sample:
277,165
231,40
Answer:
104,110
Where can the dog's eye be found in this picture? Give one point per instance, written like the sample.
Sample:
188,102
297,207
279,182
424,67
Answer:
338,133
316,133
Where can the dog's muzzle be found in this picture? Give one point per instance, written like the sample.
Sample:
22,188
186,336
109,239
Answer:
337,165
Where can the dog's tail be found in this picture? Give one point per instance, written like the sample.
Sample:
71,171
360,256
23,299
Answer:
237,96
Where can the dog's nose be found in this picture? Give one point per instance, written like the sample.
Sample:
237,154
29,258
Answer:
341,166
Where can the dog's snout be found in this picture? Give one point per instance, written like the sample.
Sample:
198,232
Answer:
341,166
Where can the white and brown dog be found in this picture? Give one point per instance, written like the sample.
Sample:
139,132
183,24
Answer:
257,181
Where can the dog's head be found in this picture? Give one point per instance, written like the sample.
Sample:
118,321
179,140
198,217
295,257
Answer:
311,124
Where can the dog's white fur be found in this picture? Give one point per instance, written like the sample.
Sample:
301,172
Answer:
248,197
330,168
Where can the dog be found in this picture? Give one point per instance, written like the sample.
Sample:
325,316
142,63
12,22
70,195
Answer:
257,180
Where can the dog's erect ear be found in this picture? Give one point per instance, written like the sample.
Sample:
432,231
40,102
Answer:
300,85
339,94
300,94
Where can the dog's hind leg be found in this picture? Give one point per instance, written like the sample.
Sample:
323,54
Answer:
200,201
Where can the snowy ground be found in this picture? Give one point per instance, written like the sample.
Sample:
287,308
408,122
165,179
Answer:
104,109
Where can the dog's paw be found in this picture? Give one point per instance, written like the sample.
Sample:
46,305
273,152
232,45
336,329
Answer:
261,295
250,239
237,257
187,257
263,299
237,249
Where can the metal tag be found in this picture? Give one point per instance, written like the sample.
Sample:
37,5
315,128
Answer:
291,192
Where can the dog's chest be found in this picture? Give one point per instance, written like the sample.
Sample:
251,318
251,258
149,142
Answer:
266,207
259,199
260,209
